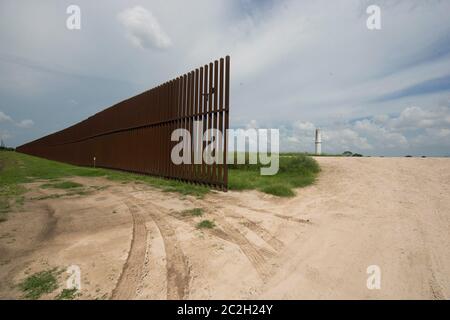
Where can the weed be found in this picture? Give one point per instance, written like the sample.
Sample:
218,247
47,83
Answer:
67,294
206,224
196,212
279,190
40,283
62,185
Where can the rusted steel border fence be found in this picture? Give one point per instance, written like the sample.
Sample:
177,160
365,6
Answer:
135,135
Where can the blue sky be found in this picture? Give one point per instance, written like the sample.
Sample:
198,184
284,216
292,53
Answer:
296,65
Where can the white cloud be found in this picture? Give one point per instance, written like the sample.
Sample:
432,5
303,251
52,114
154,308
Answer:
444,133
413,118
5,117
382,135
304,126
4,135
143,29
312,60
253,124
345,139
293,139
413,129
27,123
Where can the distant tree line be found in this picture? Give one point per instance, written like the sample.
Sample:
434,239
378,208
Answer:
3,147
351,154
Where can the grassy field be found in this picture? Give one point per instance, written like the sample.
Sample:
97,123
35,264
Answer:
17,168
296,170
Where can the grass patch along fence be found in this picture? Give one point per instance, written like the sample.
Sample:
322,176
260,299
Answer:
17,169
295,171
21,168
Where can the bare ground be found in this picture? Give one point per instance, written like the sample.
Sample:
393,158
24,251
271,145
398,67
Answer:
132,242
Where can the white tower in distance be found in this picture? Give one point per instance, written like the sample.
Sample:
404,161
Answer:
318,142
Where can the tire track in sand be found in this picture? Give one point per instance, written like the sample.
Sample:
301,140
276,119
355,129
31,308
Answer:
248,250
274,242
132,270
257,255
178,271
232,234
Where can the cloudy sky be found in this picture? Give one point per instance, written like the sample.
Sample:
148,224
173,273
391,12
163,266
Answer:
296,65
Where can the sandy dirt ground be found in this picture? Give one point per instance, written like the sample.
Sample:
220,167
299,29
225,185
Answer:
131,241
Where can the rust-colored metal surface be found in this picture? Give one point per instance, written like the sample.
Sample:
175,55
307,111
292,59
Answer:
135,135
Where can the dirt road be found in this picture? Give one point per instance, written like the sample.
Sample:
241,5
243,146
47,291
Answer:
132,241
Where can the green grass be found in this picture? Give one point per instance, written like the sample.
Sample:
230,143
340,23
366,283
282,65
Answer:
67,194
67,294
295,171
21,168
196,212
206,224
17,168
62,185
279,190
40,283
289,154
